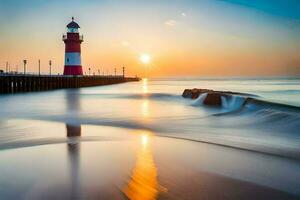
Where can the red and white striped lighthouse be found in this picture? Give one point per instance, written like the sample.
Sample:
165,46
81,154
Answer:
73,51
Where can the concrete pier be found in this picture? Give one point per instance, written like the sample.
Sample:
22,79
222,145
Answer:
30,83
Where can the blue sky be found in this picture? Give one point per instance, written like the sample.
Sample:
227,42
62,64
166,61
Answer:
281,8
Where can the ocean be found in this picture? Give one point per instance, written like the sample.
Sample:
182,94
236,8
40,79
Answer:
256,142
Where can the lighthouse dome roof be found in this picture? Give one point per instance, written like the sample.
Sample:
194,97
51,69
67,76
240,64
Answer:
73,24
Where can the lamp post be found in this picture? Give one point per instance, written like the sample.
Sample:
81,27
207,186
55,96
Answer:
89,71
6,69
99,72
115,71
50,64
39,67
123,71
24,62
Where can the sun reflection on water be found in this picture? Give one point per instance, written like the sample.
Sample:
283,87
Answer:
145,101
145,108
143,183
145,85
145,140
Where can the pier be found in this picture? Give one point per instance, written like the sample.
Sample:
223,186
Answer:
14,83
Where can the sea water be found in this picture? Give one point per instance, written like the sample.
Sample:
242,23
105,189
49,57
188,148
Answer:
269,125
157,105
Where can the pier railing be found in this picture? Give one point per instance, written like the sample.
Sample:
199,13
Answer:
27,83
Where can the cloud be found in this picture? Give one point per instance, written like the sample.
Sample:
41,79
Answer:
125,43
171,23
183,14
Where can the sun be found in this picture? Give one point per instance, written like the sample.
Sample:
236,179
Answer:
145,58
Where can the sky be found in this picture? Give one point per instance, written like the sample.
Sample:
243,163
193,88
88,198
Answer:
182,37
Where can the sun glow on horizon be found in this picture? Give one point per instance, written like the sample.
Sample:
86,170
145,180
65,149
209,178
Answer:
193,38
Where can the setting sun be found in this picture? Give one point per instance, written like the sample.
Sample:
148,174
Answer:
145,58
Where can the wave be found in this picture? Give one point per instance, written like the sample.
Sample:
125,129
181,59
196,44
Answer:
235,103
49,141
157,96
200,100
272,151
257,111
231,102
235,123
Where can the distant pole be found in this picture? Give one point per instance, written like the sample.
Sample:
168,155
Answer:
89,71
50,63
39,67
123,71
6,69
115,71
24,62
17,68
99,72
9,68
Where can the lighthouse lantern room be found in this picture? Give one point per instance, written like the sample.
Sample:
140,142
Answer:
72,49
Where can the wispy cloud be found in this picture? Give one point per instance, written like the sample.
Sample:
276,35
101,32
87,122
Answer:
171,23
125,43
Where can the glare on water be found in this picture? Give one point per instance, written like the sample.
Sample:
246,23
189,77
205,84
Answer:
143,183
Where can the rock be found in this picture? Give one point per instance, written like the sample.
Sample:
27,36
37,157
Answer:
194,93
187,93
213,99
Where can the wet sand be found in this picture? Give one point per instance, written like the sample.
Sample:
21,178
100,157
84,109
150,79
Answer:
81,161
185,184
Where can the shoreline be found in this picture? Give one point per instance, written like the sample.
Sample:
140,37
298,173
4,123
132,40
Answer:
172,179
116,159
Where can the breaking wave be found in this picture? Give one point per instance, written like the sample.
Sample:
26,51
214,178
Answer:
245,104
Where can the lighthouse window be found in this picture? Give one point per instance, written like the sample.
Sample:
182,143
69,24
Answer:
72,30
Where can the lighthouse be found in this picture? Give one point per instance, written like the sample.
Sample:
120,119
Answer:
72,49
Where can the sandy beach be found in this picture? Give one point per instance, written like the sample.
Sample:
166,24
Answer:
83,161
